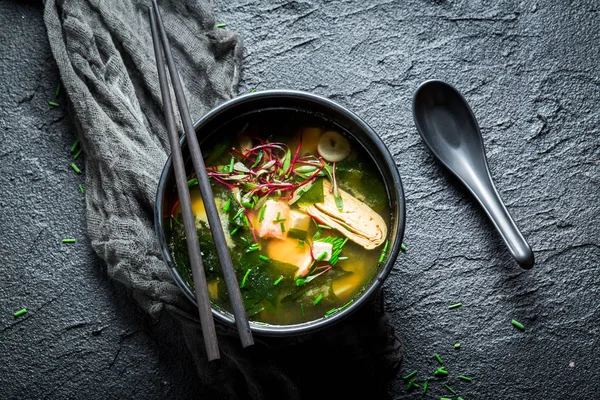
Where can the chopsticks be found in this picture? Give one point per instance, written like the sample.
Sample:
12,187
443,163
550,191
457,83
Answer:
159,36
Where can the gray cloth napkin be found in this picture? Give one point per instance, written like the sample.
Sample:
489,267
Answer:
104,53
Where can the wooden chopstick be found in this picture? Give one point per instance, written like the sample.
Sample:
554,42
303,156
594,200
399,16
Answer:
204,308
214,221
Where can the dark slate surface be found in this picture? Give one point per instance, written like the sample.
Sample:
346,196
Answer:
530,72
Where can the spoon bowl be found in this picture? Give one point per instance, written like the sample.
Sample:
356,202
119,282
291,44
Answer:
449,128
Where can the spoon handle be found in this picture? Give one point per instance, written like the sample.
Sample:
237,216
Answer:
487,195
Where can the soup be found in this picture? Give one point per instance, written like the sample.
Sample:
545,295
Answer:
305,212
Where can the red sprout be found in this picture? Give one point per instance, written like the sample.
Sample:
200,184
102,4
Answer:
173,209
291,168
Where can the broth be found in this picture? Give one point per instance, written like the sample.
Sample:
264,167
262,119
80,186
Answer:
300,253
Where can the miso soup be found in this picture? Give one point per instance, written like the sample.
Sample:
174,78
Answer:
305,212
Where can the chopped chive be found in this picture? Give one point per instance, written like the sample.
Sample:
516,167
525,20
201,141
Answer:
402,247
425,387
264,258
328,313
54,104
77,154
254,91
74,147
459,398
231,165
278,280
441,371
57,91
238,214
410,375
322,256
245,277
384,251
445,398
247,204
318,299
438,358
342,258
324,226
235,230
246,220
450,389
337,252
300,244
252,248
518,324
81,189
300,281
465,378
192,182
453,306
20,312
282,228
75,168
302,309
457,346
346,305
227,205
262,213
411,383
69,240
221,25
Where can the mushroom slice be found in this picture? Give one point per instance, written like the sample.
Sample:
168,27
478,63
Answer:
333,146
357,221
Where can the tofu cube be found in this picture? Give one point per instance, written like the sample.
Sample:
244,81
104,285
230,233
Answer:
319,248
299,221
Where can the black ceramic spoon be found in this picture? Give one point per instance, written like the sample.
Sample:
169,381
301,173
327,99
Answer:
449,128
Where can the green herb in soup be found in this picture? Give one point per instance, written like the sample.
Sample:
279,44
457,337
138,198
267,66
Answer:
305,214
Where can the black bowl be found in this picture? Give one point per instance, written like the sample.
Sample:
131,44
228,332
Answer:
329,110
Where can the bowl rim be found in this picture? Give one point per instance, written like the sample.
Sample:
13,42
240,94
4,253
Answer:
394,187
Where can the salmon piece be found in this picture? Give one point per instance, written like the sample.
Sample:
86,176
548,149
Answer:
288,251
273,210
